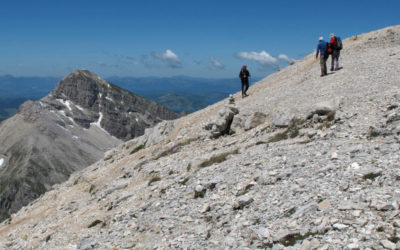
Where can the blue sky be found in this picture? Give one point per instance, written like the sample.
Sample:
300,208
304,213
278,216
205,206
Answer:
174,37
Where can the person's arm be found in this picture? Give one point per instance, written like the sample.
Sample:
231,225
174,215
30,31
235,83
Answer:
316,55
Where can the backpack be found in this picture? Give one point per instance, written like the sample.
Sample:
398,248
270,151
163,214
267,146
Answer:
243,73
328,49
339,44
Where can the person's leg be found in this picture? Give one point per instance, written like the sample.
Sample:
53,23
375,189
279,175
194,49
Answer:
337,59
332,61
335,56
243,87
247,87
322,62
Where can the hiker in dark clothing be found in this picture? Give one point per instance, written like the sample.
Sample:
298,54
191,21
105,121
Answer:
244,76
322,50
335,53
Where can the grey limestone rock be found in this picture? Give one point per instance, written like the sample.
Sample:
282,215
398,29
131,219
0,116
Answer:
254,120
388,244
263,232
308,208
221,123
157,133
324,108
242,201
282,119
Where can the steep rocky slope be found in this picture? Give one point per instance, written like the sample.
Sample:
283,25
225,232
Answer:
304,162
66,131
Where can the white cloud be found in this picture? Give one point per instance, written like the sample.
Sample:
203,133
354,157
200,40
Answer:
260,57
216,63
263,58
169,57
284,57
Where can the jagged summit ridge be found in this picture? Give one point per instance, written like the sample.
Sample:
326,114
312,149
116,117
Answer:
327,179
80,83
82,74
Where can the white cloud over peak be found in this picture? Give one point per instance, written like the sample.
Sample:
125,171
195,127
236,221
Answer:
169,57
216,63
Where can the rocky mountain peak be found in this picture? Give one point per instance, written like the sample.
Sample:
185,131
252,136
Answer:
86,98
82,87
66,131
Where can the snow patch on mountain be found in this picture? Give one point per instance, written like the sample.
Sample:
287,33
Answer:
64,128
79,107
98,123
66,103
62,112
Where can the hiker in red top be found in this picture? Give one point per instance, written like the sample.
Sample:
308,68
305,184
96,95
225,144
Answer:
244,76
335,53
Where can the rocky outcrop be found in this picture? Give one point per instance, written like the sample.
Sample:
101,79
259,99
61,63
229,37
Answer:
221,124
283,118
254,120
156,134
324,108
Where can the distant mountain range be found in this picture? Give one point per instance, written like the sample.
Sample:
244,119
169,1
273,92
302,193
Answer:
15,90
179,93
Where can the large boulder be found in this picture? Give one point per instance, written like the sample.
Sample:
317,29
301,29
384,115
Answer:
237,125
256,119
282,119
221,123
156,134
324,108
